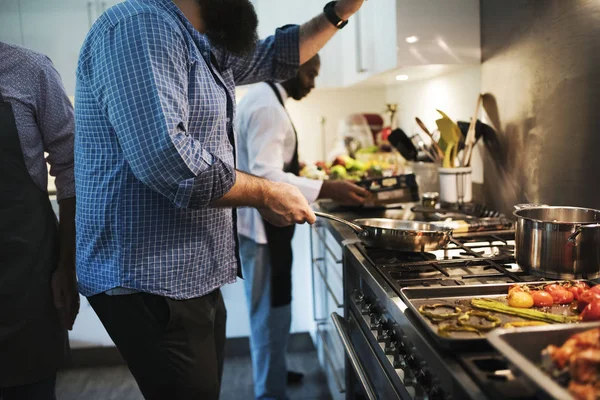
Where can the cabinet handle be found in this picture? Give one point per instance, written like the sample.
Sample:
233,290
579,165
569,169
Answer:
90,4
359,50
338,323
338,303
329,360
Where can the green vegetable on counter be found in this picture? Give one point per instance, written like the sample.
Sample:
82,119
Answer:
368,150
338,172
494,305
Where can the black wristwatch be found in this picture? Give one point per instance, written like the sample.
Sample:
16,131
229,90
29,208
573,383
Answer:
329,11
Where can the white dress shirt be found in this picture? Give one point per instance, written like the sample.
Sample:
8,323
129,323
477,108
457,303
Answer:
265,144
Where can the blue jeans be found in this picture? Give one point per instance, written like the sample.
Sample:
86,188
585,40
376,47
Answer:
269,327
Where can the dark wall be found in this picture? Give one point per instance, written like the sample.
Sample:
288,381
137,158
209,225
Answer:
541,67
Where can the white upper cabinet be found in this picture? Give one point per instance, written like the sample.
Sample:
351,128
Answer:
447,32
386,35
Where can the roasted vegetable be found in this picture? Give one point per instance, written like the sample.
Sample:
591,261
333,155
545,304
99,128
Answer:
591,312
520,299
444,330
494,305
428,311
541,298
520,324
586,298
465,320
562,296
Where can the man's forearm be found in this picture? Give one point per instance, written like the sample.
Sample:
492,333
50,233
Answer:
315,33
66,232
248,191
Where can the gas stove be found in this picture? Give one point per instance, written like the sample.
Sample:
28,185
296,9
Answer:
394,357
479,258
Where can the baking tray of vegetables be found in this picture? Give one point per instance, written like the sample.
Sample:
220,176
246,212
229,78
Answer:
460,317
563,361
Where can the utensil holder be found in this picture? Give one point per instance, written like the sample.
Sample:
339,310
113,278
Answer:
456,185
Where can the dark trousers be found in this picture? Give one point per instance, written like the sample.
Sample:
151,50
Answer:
42,390
174,348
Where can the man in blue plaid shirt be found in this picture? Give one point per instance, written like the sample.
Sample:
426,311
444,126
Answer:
155,175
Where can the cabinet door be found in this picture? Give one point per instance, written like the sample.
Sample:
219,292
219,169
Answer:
447,31
57,29
10,22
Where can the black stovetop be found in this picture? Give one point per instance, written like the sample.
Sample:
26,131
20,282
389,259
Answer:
478,258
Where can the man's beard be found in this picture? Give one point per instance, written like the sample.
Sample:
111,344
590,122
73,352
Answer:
230,24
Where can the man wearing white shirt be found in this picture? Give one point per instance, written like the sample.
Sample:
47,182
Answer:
267,146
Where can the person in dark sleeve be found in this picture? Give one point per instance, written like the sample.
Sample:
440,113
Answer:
268,147
38,287
156,180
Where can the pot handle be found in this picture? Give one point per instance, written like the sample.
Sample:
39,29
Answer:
528,205
578,230
357,229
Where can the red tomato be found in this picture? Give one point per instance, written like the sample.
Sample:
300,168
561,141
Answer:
591,312
577,291
582,285
551,288
595,289
586,298
562,296
541,298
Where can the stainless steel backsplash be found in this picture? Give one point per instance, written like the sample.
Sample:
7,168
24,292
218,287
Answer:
541,69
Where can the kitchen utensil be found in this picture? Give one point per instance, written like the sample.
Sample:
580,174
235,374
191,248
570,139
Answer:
421,146
558,242
415,297
450,137
481,130
434,143
395,234
405,146
470,139
456,185
523,347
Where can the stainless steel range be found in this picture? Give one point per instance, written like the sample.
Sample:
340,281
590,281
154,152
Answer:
389,354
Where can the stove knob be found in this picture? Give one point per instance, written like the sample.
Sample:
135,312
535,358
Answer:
399,363
367,308
376,322
391,348
384,337
358,296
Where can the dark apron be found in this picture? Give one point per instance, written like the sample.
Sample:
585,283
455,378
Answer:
32,342
279,240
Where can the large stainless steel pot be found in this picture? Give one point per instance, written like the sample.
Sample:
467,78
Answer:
558,242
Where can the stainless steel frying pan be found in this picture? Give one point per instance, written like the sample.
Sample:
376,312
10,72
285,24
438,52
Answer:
395,234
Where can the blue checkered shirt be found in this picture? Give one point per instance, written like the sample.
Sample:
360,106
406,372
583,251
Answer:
154,116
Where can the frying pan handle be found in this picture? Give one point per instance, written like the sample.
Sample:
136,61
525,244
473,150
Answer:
353,226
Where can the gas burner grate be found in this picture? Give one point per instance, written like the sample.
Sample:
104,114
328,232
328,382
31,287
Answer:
470,259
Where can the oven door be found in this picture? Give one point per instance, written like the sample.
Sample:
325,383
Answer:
366,378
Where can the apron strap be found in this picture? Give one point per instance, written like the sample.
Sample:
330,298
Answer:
294,165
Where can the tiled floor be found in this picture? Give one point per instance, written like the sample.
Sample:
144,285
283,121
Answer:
116,383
